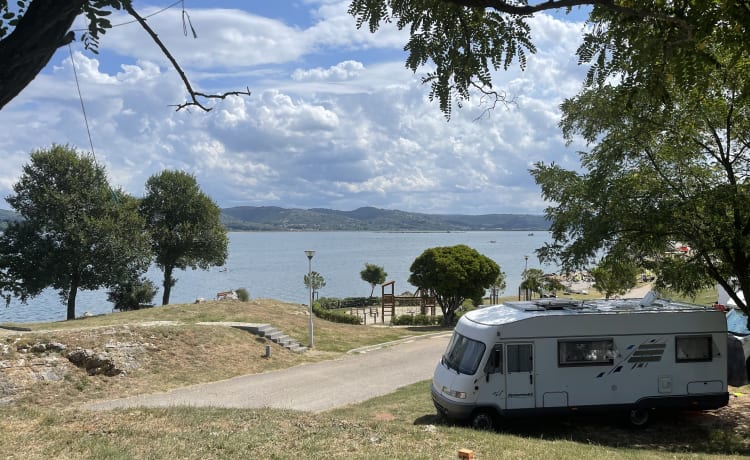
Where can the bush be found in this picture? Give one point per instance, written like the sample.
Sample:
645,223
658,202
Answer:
416,320
242,294
332,303
333,315
132,295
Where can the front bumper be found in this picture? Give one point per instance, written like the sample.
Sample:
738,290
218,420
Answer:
448,407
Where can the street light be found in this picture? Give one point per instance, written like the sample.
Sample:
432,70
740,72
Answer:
310,255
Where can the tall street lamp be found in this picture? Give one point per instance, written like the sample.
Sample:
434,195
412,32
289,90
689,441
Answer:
310,255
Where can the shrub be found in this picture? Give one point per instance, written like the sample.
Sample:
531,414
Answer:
416,320
333,315
332,303
132,295
242,294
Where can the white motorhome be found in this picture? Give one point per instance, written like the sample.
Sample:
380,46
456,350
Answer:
553,356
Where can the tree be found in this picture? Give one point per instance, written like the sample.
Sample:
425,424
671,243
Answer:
35,29
132,295
465,40
373,274
316,280
532,281
497,287
664,168
77,232
184,224
455,273
614,277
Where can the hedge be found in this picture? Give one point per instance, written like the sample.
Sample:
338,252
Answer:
416,320
332,303
333,315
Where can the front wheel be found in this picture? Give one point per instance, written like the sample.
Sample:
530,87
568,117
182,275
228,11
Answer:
483,420
638,417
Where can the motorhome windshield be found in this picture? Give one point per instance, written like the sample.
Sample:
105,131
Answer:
463,354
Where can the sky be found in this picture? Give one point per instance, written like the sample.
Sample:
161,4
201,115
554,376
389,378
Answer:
334,120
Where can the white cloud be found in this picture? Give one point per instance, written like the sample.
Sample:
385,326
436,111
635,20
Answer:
328,124
342,71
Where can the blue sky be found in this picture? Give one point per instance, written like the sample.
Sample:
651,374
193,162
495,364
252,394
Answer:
335,119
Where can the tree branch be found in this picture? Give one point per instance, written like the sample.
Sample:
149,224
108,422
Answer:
194,95
526,9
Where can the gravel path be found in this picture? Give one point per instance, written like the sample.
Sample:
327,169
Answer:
309,387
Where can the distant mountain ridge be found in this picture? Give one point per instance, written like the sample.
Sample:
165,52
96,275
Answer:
259,218
273,218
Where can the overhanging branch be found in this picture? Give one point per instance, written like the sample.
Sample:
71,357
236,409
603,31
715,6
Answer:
526,9
194,95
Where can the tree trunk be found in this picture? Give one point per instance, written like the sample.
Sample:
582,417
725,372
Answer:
168,282
39,33
72,297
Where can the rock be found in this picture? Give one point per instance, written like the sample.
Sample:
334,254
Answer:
56,347
94,362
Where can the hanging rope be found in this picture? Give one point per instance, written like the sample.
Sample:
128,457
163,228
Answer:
185,15
86,118
80,97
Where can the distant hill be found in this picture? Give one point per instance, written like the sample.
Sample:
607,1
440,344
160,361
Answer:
256,218
272,218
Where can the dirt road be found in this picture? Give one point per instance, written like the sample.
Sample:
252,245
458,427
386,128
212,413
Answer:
309,387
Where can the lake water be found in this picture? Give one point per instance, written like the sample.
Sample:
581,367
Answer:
273,265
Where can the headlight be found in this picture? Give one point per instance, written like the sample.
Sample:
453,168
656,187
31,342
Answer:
454,393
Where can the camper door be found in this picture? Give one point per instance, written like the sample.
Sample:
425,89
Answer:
519,378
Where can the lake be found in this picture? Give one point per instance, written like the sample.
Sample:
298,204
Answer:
273,265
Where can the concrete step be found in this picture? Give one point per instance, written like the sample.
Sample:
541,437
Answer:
269,332
296,347
274,335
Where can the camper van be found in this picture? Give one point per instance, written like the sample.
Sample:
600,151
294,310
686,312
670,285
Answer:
556,356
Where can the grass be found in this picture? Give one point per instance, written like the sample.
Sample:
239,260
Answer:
399,425
45,420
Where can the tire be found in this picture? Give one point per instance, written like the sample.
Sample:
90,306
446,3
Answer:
639,417
484,420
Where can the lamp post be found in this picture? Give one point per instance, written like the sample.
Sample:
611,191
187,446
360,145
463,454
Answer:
310,255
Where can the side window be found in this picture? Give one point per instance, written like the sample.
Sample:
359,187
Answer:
694,348
520,358
597,352
495,361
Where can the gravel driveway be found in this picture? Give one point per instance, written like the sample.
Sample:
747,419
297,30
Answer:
309,387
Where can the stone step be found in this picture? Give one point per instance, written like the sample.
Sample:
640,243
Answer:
274,334
270,333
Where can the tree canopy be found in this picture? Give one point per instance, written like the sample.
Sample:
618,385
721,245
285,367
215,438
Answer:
668,166
314,281
77,233
186,231
35,29
455,273
373,274
614,277
461,42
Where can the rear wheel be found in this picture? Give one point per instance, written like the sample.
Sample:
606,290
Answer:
639,417
484,420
